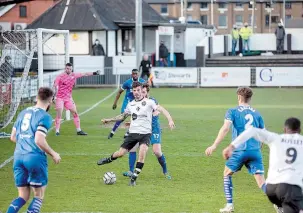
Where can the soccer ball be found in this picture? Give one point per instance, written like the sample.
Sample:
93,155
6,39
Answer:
109,178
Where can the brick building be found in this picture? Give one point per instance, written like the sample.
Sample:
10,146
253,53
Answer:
18,16
227,13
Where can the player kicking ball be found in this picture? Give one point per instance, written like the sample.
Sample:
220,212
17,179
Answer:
141,111
127,87
30,160
63,85
249,153
155,139
285,173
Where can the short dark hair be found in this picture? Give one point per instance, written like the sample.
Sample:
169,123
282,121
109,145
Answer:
293,124
245,92
68,64
146,85
45,93
135,70
136,84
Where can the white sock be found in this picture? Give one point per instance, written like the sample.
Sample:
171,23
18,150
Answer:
229,204
57,130
78,129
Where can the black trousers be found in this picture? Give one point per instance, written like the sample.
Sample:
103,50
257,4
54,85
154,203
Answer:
287,196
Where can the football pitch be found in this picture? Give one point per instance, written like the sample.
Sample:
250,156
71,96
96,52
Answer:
76,185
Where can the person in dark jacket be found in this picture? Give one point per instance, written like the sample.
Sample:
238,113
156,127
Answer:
98,48
280,35
6,70
163,53
146,67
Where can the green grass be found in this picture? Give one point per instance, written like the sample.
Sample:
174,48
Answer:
75,184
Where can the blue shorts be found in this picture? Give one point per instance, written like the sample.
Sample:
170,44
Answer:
30,170
125,102
252,159
155,138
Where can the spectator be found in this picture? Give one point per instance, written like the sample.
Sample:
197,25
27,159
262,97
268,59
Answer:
98,48
163,53
146,67
245,33
235,39
6,70
280,35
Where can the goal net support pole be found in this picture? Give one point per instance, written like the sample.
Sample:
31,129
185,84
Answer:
40,33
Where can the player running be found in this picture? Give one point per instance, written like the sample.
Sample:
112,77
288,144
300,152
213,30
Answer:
155,139
249,154
63,85
284,181
30,160
127,85
141,110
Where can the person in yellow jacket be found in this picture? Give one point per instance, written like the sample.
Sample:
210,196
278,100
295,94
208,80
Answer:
245,33
235,39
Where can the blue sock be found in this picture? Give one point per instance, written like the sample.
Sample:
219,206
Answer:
162,162
35,206
117,124
16,205
263,187
228,189
132,160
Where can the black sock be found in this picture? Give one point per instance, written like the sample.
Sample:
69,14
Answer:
112,158
139,167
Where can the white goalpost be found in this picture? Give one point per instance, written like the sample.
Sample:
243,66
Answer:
30,59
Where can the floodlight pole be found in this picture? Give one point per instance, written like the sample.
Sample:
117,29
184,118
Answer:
138,32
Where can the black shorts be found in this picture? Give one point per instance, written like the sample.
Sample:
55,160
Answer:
284,195
133,138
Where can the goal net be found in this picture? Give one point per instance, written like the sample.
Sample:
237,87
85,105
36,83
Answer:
29,59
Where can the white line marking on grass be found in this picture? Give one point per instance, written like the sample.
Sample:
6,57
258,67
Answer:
7,161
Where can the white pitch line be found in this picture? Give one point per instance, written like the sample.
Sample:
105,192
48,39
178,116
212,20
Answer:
7,161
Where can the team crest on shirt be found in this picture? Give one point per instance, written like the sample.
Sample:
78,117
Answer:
138,108
143,103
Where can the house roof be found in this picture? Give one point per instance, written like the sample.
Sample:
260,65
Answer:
93,15
8,2
294,23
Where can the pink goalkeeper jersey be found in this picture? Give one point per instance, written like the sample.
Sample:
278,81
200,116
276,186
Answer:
65,84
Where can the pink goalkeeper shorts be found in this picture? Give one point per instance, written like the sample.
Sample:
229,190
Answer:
66,103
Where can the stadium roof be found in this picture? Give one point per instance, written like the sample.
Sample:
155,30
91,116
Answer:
93,15
8,2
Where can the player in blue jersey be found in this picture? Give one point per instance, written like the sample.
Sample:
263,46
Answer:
155,139
127,86
30,160
249,154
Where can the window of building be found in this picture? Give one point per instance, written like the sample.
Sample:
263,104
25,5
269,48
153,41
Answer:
203,19
189,18
222,5
204,5
288,17
22,11
239,5
222,21
239,19
287,5
275,19
189,5
164,9
267,20
250,5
